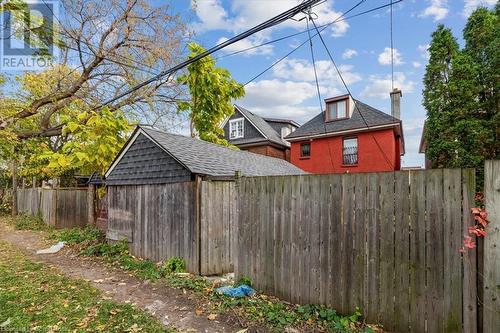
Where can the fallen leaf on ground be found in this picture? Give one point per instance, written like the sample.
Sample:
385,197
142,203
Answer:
212,316
199,312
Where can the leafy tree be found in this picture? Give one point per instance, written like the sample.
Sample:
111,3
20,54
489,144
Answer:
440,140
212,90
461,94
109,46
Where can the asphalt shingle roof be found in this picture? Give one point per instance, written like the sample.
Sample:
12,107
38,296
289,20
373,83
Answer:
372,116
206,158
266,129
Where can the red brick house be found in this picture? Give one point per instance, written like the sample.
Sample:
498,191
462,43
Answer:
349,136
264,136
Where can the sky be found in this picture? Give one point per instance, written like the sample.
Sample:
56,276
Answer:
360,46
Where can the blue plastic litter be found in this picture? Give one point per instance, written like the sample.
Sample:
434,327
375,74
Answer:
240,291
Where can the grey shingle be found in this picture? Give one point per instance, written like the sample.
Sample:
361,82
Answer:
206,158
372,116
269,132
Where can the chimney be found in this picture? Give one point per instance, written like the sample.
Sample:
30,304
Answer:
396,103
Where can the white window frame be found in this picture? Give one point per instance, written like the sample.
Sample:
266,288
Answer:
233,123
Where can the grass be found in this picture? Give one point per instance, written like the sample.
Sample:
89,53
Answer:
261,310
36,298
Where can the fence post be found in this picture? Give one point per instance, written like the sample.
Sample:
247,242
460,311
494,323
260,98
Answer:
491,279
90,204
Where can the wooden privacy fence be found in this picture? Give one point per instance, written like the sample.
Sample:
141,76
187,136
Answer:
387,243
192,220
61,208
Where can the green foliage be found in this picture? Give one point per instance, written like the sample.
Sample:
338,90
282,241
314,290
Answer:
212,91
92,146
88,235
173,265
461,94
34,295
28,222
278,315
244,280
5,202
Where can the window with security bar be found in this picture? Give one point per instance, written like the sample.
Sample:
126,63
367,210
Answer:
350,151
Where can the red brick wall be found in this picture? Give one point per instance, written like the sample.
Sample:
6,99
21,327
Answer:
326,154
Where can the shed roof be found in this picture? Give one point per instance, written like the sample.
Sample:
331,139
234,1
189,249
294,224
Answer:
204,158
362,112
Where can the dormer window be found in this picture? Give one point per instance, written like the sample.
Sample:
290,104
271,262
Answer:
236,128
336,110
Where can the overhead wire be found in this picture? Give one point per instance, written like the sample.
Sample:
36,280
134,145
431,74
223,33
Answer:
350,94
306,31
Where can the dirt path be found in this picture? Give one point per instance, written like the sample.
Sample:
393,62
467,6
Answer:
172,307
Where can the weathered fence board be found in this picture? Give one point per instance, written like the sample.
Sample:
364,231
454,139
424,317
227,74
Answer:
491,283
161,221
386,242
61,208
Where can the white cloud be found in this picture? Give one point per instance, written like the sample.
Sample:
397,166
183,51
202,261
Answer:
384,58
424,51
276,92
349,53
211,14
303,70
416,64
381,86
471,5
244,14
248,43
438,9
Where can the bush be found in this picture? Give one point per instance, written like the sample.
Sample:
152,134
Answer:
173,265
28,222
87,235
244,280
5,202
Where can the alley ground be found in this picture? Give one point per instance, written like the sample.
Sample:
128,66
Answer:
173,307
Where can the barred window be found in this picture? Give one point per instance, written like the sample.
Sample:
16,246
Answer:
350,151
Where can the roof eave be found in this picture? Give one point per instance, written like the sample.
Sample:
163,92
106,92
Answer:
337,133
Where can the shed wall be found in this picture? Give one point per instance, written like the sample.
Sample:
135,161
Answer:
146,163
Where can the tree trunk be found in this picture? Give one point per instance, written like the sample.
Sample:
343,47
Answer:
14,188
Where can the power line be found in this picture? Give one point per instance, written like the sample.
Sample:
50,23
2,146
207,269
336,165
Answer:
350,94
312,29
90,45
300,45
267,24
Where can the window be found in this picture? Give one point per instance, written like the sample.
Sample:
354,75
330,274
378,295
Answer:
236,128
285,131
336,110
350,151
305,150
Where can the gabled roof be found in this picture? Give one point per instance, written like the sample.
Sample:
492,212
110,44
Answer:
204,158
262,126
362,112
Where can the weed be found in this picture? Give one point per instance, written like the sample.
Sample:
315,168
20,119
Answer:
87,235
244,280
173,265
28,222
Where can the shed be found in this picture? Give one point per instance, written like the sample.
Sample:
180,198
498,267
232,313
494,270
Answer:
171,195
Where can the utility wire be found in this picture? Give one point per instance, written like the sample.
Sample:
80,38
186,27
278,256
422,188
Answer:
267,24
350,94
307,30
301,44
